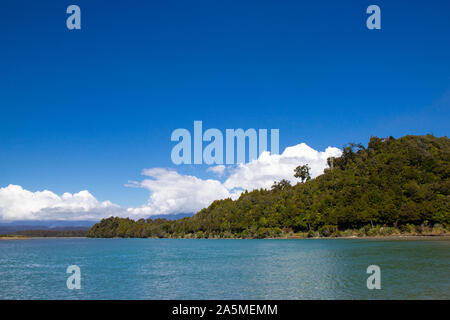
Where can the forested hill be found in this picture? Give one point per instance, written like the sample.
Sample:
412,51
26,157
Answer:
393,185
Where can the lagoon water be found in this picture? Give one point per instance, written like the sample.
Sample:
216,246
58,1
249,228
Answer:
224,269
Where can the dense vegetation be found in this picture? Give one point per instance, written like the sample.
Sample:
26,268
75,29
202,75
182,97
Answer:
393,185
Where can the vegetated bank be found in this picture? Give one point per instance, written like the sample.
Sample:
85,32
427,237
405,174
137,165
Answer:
53,233
394,186
45,233
12,237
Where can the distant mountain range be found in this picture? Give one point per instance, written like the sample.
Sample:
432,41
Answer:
11,227
174,216
20,225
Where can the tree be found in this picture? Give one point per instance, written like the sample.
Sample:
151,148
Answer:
302,172
331,162
281,185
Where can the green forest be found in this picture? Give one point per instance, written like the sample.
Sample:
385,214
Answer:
392,186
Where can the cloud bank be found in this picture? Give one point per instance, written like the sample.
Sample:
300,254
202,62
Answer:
170,191
268,168
17,203
217,170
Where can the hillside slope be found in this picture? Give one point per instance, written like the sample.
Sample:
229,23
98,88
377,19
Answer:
397,183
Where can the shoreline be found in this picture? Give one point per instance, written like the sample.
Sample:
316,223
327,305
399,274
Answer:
31,238
390,237
14,238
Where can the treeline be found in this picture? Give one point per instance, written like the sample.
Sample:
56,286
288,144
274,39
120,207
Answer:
393,185
52,233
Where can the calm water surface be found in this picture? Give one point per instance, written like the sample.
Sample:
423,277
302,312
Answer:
224,269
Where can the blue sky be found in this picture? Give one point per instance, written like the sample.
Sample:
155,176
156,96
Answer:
90,109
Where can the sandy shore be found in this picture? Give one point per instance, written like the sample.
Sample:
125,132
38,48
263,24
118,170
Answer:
14,238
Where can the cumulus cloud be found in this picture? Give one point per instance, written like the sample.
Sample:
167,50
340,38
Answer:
217,170
261,173
170,191
17,203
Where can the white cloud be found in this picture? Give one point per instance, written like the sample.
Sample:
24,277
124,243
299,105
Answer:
217,170
17,203
261,173
170,191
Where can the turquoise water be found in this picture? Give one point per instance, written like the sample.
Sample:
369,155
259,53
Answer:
224,269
